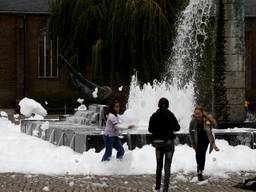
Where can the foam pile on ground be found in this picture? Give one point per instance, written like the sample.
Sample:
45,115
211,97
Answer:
28,154
29,107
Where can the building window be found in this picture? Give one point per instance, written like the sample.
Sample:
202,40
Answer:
48,57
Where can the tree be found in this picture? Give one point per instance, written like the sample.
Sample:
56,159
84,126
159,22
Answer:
108,40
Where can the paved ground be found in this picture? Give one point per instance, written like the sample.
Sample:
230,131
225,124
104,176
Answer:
14,182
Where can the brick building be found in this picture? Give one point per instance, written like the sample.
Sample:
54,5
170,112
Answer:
28,60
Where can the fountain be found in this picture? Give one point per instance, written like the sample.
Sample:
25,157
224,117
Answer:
74,131
178,84
83,130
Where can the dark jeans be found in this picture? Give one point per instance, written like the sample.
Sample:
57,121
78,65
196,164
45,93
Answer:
160,154
110,143
200,155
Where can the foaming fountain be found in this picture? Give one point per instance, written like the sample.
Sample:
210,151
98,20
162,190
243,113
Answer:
83,130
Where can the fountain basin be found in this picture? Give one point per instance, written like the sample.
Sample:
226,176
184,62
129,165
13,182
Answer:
81,138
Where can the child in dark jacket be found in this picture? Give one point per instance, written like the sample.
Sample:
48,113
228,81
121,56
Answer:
162,125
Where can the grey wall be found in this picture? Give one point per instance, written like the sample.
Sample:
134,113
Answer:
234,58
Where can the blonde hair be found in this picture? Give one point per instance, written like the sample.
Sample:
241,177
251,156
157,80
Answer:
208,117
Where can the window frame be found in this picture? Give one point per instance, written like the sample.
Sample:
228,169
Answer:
47,65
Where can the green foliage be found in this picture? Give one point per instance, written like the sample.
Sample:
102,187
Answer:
108,40
204,73
97,60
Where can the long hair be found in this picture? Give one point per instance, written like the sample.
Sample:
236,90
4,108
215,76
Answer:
208,117
112,105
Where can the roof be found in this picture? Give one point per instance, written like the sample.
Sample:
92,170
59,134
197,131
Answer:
24,6
250,8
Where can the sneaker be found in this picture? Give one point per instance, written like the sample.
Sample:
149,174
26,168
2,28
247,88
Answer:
155,190
200,177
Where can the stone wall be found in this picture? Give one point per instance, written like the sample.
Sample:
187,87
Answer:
234,54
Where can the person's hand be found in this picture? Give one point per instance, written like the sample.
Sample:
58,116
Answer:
131,126
194,147
216,148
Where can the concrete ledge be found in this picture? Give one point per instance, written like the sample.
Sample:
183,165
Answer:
81,141
238,124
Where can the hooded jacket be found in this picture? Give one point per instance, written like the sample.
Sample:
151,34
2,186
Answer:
163,124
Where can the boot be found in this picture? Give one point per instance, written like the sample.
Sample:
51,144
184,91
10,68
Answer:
154,189
200,175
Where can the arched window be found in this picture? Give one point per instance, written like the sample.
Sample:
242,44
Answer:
48,56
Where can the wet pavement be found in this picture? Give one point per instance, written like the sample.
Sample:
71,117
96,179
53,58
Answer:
16,182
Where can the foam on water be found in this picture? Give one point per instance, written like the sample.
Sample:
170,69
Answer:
144,100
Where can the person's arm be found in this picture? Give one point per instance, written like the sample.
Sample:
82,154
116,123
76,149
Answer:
175,123
192,134
122,126
151,125
212,140
115,121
